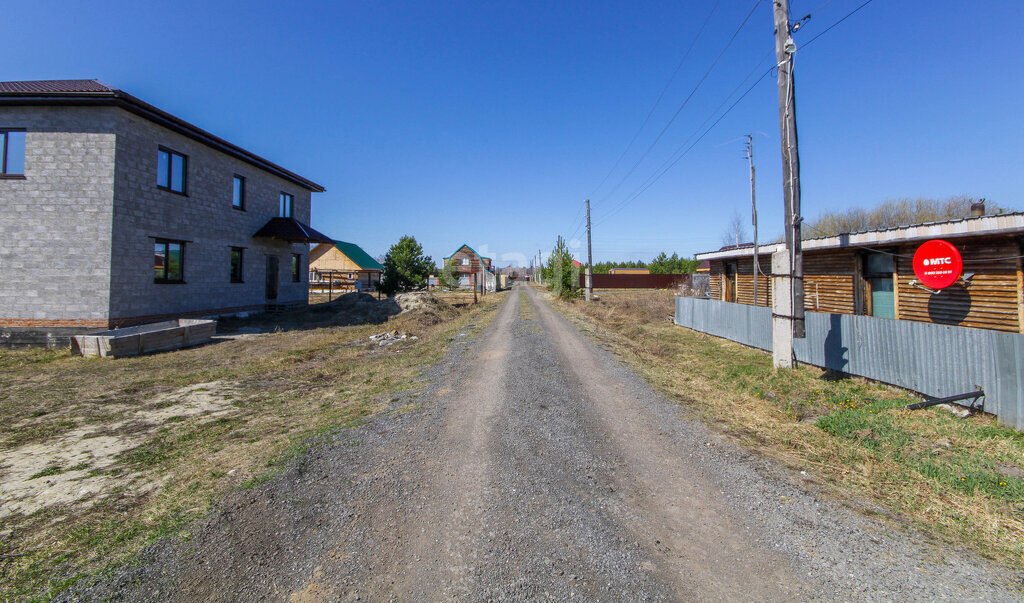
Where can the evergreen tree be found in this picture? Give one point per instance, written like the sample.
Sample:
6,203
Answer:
562,275
405,267
450,275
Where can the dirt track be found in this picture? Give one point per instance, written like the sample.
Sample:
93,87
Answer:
538,467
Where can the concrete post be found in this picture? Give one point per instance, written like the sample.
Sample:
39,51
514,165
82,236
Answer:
782,311
588,282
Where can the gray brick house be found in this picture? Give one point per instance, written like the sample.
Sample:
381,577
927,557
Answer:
114,213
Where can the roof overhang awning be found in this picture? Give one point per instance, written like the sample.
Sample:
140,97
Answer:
291,230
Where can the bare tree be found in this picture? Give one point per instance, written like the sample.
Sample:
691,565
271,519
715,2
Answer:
894,212
735,232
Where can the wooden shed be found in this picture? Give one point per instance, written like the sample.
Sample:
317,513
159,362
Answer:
871,273
346,263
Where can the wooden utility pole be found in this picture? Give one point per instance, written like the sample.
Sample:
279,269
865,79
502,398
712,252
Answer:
590,259
753,210
784,50
474,287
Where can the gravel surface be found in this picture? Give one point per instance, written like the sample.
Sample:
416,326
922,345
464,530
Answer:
538,467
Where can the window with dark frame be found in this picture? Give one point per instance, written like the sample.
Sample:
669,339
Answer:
168,261
296,267
12,153
171,170
287,205
238,192
236,264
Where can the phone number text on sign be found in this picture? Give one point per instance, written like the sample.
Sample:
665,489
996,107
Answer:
937,264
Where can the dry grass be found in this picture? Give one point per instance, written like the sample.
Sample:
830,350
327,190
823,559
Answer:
193,423
961,481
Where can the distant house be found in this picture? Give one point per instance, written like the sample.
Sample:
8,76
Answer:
347,261
629,271
469,263
117,213
871,273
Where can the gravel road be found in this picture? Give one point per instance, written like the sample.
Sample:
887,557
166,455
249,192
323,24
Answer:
538,467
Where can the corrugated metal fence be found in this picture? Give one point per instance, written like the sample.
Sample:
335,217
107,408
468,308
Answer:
935,360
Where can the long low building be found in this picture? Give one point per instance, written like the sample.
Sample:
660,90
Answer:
116,213
871,273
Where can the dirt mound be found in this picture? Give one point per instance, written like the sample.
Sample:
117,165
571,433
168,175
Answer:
428,308
359,308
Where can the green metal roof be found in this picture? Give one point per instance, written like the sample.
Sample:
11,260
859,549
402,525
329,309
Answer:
358,256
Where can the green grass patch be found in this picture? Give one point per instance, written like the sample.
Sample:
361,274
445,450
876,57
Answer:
959,480
284,393
51,470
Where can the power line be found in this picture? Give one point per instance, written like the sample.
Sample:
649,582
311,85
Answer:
658,101
830,27
577,218
683,149
661,172
685,101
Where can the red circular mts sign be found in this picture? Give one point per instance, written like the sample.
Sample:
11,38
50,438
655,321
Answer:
937,264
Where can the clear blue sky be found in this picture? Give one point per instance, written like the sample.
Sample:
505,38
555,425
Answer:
490,122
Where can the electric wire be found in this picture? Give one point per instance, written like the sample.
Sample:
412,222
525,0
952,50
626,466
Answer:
831,27
685,102
823,235
661,172
658,100
683,150
576,220
657,173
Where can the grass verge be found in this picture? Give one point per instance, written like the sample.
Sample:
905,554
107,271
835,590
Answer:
101,457
958,480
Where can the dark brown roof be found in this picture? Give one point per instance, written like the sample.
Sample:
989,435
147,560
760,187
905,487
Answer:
94,92
291,230
54,86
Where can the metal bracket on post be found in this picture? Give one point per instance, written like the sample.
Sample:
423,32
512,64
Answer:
917,283
975,406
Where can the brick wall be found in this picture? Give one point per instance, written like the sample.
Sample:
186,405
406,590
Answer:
55,224
77,234
204,219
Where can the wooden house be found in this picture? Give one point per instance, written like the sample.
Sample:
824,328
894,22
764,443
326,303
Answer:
871,273
346,263
468,263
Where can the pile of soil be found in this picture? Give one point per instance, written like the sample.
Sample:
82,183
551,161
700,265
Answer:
430,310
358,308
350,309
